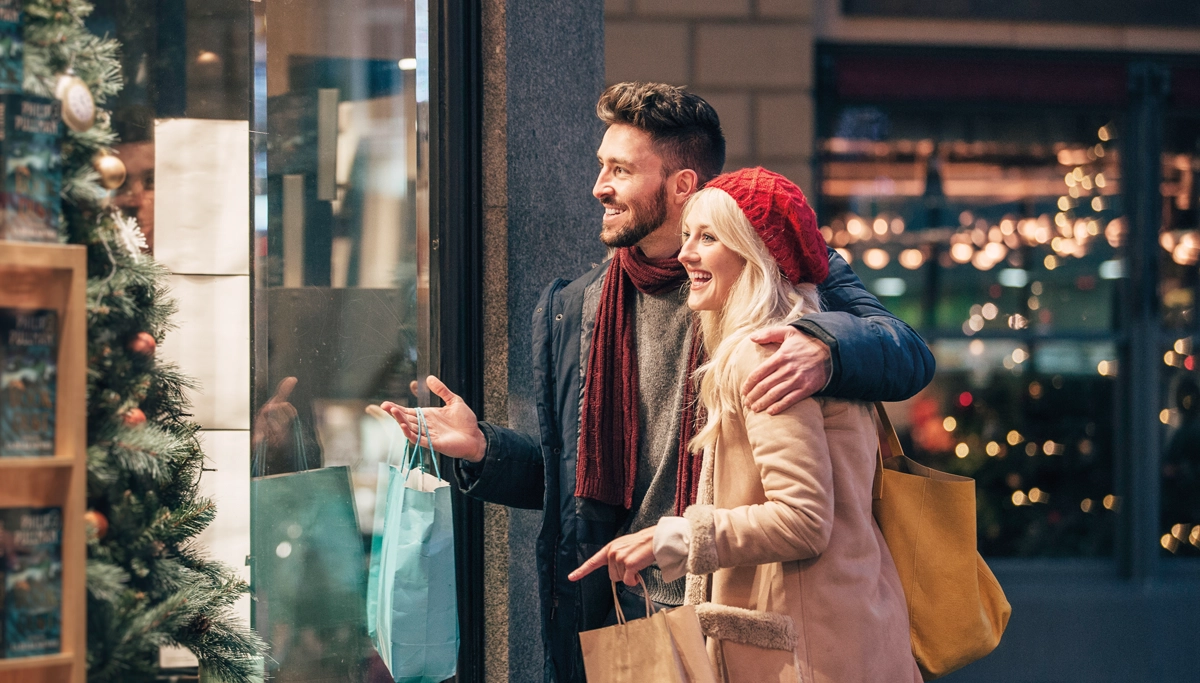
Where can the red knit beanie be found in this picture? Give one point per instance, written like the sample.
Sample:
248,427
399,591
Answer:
783,219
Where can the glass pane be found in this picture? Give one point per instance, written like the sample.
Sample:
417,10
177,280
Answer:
1180,414
179,60
997,232
341,308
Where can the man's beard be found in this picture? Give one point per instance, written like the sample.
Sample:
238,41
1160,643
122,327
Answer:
645,218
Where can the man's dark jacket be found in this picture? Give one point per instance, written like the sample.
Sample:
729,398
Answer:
876,357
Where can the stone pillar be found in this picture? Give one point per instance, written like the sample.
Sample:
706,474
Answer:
543,70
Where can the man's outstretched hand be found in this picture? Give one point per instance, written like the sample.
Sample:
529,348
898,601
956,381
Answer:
453,429
799,368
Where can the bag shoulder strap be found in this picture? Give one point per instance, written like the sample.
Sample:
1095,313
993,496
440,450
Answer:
887,433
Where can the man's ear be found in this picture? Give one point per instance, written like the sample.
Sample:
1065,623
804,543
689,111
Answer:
684,184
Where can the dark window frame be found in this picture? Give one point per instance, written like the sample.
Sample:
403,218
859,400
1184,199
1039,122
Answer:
456,233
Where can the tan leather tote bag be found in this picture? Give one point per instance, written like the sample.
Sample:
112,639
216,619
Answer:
956,608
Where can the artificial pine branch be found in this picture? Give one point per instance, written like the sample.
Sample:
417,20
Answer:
148,585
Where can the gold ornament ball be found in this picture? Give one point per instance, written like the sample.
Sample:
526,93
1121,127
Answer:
111,170
96,522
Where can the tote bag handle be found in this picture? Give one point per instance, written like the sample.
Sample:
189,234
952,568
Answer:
887,433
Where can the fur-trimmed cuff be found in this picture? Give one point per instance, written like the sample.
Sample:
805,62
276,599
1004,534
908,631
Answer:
696,592
769,630
702,556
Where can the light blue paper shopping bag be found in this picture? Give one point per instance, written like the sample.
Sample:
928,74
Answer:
412,610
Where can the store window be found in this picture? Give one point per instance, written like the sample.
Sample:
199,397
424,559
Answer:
360,175
997,230
342,307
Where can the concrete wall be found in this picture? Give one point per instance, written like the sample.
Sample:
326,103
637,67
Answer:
751,59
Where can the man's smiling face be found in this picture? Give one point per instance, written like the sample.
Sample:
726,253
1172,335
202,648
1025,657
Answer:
631,186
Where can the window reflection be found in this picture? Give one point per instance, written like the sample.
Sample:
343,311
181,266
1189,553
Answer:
998,233
342,319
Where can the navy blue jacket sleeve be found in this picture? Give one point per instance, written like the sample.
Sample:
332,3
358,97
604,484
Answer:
511,472
876,356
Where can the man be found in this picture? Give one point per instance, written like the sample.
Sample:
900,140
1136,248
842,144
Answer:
613,350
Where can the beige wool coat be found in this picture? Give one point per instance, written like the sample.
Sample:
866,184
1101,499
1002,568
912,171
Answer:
790,572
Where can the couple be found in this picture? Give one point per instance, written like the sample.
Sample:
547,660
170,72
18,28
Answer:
759,493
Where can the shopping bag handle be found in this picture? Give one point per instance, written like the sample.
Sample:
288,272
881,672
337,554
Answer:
413,457
650,610
887,433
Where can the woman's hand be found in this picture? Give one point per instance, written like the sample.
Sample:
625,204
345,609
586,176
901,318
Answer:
453,429
625,557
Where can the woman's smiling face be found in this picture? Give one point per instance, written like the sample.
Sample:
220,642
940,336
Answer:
712,267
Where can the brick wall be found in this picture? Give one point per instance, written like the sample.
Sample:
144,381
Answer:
751,59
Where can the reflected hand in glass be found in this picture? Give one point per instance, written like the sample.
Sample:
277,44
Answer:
453,430
273,425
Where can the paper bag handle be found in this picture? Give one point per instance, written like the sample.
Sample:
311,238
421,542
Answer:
650,610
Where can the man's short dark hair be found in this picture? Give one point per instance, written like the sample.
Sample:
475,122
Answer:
685,129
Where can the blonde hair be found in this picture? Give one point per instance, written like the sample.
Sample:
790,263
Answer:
760,297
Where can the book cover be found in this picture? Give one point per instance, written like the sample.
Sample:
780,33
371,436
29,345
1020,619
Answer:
12,47
28,381
32,207
32,581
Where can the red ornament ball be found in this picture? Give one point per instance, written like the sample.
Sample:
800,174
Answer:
143,343
97,523
134,417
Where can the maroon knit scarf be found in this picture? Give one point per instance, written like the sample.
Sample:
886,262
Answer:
691,417
609,425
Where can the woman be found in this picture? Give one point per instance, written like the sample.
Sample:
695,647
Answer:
792,575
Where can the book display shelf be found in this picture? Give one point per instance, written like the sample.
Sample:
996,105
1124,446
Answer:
43,463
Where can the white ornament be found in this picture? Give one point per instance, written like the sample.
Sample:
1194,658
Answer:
78,105
79,109
129,235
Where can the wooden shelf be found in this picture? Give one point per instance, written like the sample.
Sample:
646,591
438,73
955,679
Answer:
55,276
19,663
30,463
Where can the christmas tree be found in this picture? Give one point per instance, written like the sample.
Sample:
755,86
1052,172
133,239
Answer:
148,585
